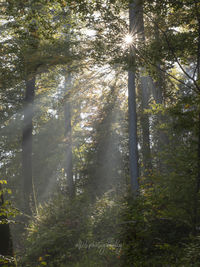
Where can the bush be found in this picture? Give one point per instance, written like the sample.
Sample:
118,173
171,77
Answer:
72,233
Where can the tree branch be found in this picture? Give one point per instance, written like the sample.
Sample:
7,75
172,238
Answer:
173,53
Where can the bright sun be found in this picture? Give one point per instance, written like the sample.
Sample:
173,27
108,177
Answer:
128,39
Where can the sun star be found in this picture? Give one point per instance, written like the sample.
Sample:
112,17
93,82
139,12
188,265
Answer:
128,39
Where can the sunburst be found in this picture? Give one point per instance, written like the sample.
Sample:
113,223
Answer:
128,39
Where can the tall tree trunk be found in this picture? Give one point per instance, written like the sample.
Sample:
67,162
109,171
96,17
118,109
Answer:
146,150
145,95
133,143
158,86
68,138
27,144
158,90
196,216
198,82
6,247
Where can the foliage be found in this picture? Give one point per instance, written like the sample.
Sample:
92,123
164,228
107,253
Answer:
49,38
69,233
191,255
7,214
149,238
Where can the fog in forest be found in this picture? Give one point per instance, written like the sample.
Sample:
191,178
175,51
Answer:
100,133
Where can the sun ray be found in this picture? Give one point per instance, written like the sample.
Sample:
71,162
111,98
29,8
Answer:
128,39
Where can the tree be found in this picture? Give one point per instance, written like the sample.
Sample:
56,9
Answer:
134,9
6,248
68,136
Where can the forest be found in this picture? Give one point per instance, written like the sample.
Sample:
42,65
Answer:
99,133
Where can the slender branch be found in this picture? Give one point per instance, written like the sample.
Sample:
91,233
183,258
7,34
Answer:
170,75
195,69
173,52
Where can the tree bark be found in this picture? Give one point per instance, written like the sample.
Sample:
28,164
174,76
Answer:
68,138
27,144
161,139
196,216
158,88
145,94
146,150
198,82
6,246
133,143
